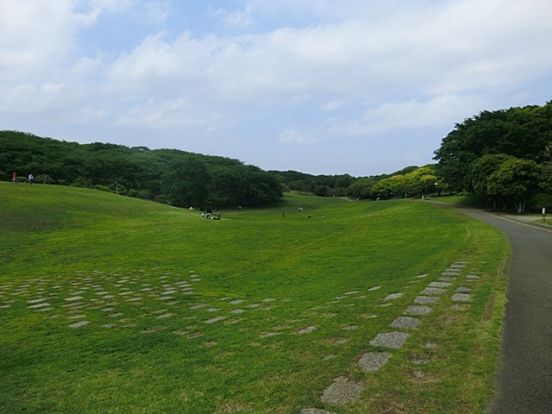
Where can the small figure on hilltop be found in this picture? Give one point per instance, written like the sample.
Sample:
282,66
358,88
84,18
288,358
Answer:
30,178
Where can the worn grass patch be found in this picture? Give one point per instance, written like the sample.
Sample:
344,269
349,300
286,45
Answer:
111,304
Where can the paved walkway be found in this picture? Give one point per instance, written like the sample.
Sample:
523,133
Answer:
525,378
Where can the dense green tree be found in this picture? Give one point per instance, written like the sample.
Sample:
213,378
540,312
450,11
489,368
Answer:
520,132
479,173
164,175
515,180
324,185
362,188
187,183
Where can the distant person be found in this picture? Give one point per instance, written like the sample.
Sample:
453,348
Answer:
30,178
14,177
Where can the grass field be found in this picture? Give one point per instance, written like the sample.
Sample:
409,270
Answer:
116,305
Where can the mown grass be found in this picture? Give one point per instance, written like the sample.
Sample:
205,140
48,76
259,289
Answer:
64,242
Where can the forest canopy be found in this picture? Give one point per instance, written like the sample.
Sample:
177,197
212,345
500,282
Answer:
503,157
181,178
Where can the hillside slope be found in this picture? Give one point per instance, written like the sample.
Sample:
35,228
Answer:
111,304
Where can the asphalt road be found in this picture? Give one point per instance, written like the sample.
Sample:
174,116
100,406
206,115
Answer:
525,377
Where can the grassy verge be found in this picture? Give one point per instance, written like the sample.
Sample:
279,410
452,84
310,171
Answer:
162,290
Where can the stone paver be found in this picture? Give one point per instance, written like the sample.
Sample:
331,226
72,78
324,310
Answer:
463,289
393,340
33,301
433,291
342,391
217,319
270,334
373,361
314,411
440,284
237,311
461,297
78,324
393,296
417,310
307,330
447,279
405,322
423,300
39,306
449,273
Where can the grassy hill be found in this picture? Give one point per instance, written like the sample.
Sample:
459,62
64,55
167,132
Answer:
114,304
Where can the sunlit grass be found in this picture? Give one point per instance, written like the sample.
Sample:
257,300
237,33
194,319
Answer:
292,270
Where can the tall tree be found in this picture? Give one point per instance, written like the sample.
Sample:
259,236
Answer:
187,183
514,181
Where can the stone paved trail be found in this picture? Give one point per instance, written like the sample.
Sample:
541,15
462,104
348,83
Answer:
525,379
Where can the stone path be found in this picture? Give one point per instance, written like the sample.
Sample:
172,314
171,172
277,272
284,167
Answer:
111,300
151,301
343,391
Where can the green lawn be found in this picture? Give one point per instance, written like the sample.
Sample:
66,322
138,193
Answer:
160,289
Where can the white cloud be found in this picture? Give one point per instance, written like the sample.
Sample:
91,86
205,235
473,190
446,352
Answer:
435,51
294,136
157,11
235,18
171,114
439,111
355,68
33,34
331,106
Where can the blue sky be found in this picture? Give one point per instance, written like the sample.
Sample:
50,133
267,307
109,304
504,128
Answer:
320,86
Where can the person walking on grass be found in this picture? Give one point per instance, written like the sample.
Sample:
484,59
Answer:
30,178
14,177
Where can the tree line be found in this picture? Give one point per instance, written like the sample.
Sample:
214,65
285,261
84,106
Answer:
411,181
180,178
503,157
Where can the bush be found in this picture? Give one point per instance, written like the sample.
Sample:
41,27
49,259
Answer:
541,200
81,182
44,179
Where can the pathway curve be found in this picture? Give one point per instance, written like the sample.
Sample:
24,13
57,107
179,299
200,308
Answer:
525,378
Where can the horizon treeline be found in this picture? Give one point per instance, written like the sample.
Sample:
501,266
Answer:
187,179
412,181
180,178
503,158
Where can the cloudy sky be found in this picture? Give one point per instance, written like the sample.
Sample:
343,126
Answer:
321,86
